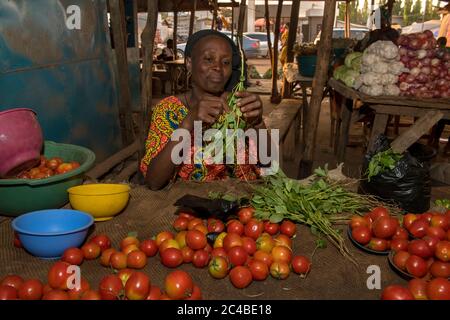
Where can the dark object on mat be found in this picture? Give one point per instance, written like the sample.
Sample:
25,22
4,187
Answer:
206,208
408,184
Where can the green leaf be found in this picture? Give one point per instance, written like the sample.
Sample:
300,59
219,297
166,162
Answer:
321,243
276,218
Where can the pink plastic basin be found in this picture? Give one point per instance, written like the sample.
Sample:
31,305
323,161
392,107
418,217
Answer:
21,141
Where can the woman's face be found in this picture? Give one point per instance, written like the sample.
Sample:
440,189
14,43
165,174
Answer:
210,64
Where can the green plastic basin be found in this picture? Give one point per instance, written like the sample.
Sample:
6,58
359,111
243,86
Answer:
18,196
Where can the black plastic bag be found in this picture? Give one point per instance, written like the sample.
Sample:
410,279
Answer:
408,184
206,208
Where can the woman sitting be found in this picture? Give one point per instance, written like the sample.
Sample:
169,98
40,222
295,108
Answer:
214,62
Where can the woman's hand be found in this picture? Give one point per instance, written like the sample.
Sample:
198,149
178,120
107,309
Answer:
251,107
210,107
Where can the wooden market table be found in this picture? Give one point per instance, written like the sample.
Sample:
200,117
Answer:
384,106
177,72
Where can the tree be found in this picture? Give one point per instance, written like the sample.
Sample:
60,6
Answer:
397,9
417,11
365,12
341,7
406,12
430,12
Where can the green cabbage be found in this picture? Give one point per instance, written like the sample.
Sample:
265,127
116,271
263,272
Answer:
349,77
339,72
352,56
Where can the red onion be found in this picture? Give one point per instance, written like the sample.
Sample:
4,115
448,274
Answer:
447,56
422,78
413,63
402,77
435,62
403,40
432,42
410,78
441,82
413,91
415,71
436,94
404,60
445,94
422,36
415,44
429,34
403,86
435,71
412,53
403,51
425,70
426,62
431,53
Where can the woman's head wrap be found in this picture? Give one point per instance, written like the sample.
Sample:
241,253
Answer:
236,57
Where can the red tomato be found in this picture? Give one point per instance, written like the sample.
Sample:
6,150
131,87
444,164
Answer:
437,232
378,212
180,224
443,251
254,228
73,256
418,288
249,245
408,219
56,294
110,287
279,270
91,251
400,259
218,267
138,286
102,240
195,239
265,243
281,254
127,241
169,243
399,244
149,247
288,228
441,221
192,223
52,163
440,269
57,275
419,228
237,256
118,260
259,270
235,226
271,228
362,235
438,289
188,254
124,275
196,294
396,292
130,248
283,240
231,240
208,248
155,293
75,164
358,221
420,248
17,242
77,292
241,277
431,242
178,285
416,266
301,264
400,233
31,290
264,257
7,292
136,260
378,244
162,236
202,228
171,257
13,280
180,238
426,216
245,214
186,215
105,258
200,259
384,227
91,295
219,252
215,225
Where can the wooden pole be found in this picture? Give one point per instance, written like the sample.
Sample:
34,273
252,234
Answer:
192,18
214,22
319,82
240,30
268,29
175,27
275,97
295,9
148,38
347,20
120,48
232,22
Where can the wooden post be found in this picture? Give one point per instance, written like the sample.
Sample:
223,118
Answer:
347,20
268,28
175,27
148,38
240,30
295,9
214,22
275,97
232,21
192,18
119,34
319,82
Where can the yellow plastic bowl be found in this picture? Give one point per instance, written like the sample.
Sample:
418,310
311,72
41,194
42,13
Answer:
102,201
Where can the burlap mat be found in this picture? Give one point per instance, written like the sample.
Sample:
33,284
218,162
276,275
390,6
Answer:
148,213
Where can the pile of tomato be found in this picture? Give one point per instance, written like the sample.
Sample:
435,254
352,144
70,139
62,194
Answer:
48,168
419,289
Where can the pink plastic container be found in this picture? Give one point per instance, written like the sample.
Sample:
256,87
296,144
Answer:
21,141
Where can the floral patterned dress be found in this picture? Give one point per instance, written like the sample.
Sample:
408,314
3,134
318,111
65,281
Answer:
166,118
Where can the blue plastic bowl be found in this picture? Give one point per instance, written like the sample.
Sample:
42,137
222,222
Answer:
47,234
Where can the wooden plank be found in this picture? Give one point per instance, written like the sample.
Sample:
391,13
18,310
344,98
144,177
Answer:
275,97
126,172
240,31
268,28
346,115
343,89
320,79
417,130
106,165
120,49
406,111
379,127
192,18
295,9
